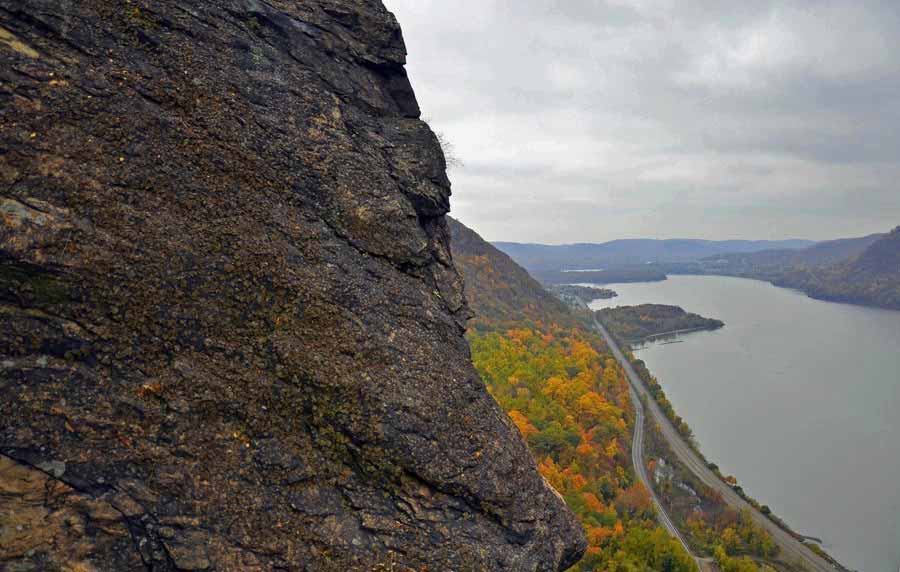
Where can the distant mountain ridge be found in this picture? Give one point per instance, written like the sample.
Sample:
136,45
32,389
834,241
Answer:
546,257
771,264
861,270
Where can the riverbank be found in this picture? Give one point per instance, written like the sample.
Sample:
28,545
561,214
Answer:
657,394
791,548
669,333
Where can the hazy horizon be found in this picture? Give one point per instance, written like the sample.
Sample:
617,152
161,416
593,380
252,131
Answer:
589,120
500,240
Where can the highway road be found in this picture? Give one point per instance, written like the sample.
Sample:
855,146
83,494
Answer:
637,455
792,550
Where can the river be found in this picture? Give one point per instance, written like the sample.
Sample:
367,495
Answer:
798,398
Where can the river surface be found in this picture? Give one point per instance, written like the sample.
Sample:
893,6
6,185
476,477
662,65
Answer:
798,398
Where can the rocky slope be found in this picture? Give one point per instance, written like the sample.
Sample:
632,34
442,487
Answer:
232,330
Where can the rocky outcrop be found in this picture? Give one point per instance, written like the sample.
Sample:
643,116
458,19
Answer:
232,329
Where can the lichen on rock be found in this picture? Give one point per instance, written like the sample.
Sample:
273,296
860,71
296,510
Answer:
232,329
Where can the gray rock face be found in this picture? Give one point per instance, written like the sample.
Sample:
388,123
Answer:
231,327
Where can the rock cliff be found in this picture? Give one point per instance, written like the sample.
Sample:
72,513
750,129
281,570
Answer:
231,327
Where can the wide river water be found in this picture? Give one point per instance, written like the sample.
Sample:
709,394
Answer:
798,398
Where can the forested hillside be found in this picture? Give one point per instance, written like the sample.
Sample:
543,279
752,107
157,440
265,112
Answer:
499,290
569,399
872,277
864,270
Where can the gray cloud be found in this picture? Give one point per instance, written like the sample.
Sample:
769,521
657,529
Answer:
588,120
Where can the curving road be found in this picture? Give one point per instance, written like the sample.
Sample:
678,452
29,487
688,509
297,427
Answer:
792,550
637,454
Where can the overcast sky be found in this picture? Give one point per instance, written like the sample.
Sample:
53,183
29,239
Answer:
581,120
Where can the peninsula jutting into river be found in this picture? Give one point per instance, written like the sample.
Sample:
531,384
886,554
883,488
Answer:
648,321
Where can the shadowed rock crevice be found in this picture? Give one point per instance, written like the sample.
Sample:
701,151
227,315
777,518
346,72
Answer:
232,328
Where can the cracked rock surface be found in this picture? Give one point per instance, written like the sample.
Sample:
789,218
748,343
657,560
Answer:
231,326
